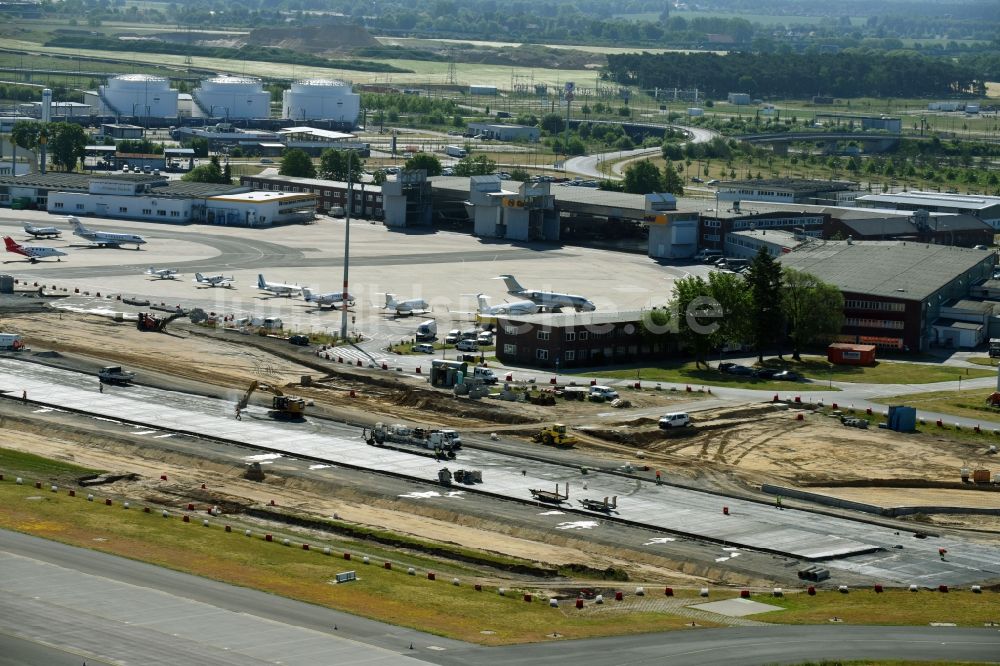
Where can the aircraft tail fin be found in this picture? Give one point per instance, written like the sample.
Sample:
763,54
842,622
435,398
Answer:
513,285
11,245
198,277
390,301
484,303
78,225
307,294
30,228
261,282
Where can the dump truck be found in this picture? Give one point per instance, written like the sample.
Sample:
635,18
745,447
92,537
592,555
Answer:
443,442
555,435
285,406
114,374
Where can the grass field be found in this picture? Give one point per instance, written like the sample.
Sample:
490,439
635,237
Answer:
891,607
967,403
687,373
17,462
815,368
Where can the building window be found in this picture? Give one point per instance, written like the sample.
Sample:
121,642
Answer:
122,209
162,213
569,355
147,211
584,335
542,354
58,204
510,349
79,206
175,213
570,336
543,335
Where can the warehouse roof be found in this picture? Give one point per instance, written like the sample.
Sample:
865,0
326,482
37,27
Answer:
932,200
797,185
63,180
181,188
893,269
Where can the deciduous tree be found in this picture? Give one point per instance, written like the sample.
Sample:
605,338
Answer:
813,309
764,281
298,164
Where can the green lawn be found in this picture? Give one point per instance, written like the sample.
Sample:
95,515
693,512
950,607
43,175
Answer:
813,367
24,464
967,403
687,373
883,372
983,360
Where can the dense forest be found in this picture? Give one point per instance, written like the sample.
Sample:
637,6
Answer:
793,75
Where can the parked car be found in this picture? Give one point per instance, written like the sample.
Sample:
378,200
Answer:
766,373
454,335
714,181
725,365
741,370
788,376
485,338
696,179
266,160
674,420
423,348
605,392
299,340
467,346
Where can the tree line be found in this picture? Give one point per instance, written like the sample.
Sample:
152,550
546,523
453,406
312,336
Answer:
797,75
768,308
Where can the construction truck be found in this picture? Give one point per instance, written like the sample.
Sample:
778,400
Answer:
994,347
284,406
555,435
444,443
153,324
114,374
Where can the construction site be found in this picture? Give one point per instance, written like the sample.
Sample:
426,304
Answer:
528,485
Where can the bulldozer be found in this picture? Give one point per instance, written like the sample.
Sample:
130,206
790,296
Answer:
283,406
153,324
555,435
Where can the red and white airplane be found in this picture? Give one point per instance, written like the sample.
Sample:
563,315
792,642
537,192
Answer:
33,253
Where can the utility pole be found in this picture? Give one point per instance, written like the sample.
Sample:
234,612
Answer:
347,245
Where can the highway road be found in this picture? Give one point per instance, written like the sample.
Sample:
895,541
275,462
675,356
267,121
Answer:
588,165
62,605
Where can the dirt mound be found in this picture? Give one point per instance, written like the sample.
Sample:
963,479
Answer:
318,39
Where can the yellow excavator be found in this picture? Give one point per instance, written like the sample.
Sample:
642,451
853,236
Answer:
555,435
285,406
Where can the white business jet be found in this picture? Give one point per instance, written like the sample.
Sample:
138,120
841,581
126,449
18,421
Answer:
334,298
548,300
105,238
277,288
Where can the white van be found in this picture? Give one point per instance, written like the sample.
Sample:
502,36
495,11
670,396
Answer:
467,346
485,374
675,420
454,335
605,392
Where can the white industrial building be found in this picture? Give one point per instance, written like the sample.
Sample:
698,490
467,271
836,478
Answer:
232,98
673,234
746,244
157,199
134,95
321,99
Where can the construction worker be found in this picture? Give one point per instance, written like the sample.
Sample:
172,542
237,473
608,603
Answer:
659,481
777,502
239,416
24,397
100,386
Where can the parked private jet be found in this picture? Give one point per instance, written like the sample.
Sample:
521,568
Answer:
42,232
405,307
513,308
277,288
213,280
33,253
105,238
334,298
162,273
548,300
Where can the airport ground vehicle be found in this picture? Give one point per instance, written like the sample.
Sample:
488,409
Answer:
555,435
427,330
300,340
454,151
454,335
11,341
424,348
485,374
674,420
467,346
286,406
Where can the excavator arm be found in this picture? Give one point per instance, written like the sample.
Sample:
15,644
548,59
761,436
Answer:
285,405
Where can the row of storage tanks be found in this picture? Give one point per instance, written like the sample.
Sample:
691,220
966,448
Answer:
232,97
